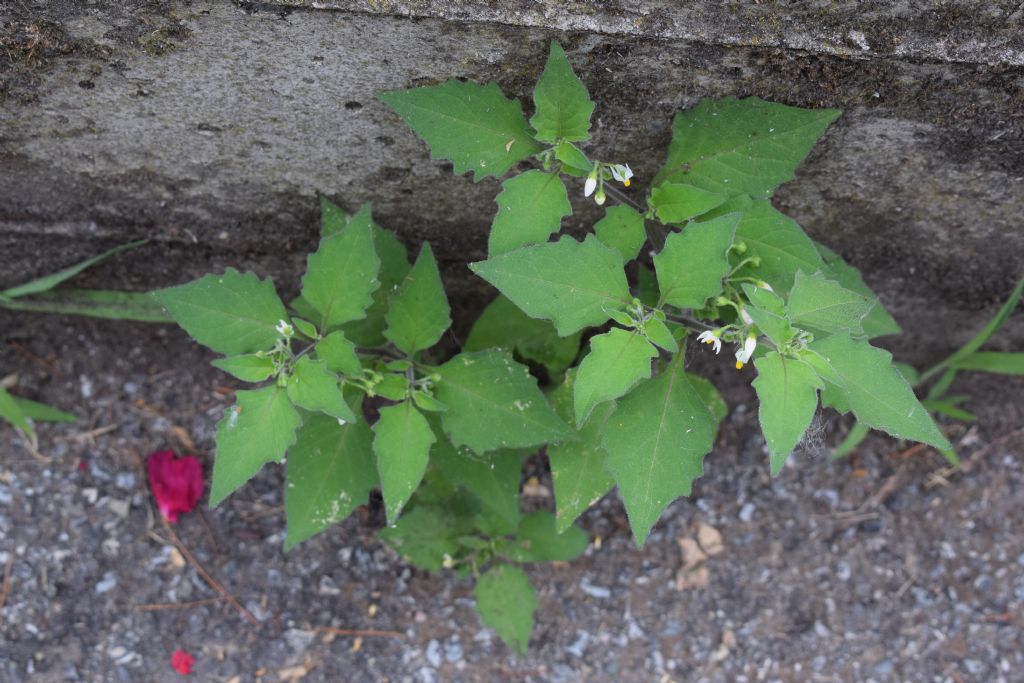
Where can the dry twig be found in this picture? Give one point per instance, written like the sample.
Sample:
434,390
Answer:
213,583
359,633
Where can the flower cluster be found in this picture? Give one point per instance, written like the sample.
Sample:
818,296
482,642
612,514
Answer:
598,174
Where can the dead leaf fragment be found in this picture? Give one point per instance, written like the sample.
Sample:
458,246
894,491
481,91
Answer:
728,640
692,554
693,578
709,538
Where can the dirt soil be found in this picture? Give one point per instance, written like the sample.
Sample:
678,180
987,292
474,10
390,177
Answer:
883,567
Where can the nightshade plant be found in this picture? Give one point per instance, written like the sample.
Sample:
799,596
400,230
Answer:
450,434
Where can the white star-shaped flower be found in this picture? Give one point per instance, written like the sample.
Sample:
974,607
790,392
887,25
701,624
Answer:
713,338
622,173
744,353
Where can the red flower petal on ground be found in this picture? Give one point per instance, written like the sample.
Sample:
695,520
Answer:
177,483
182,662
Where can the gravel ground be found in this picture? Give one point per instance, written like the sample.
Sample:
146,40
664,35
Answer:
883,567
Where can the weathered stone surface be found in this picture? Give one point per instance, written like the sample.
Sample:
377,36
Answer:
211,127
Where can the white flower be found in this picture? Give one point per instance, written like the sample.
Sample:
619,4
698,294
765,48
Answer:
713,338
599,197
764,285
744,353
285,329
746,316
622,173
591,184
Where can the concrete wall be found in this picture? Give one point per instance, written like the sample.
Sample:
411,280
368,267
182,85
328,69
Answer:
211,127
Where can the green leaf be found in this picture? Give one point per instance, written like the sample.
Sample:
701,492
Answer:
736,204
234,313
563,105
394,387
979,339
331,471
305,328
656,441
818,304
746,146
93,303
257,430
426,402
332,218
622,229
503,325
538,540
402,441
577,467
678,203
506,603
712,399
474,126
493,479
1003,363
788,392
647,286
658,333
574,162
494,403
394,266
950,410
339,354
248,368
618,361
40,412
48,282
530,207
423,537
568,282
875,390
768,313
342,274
418,312
313,387
779,242
908,372
691,266
11,411
764,299
878,322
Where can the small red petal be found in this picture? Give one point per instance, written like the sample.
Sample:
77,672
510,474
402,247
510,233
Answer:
177,483
182,662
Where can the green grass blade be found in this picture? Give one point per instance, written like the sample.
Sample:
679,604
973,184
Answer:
94,303
48,282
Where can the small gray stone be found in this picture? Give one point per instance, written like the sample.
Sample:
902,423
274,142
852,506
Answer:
328,586
124,481
975,667
107,584
594,591
433,653
453,652
298,639
579,645
747,512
